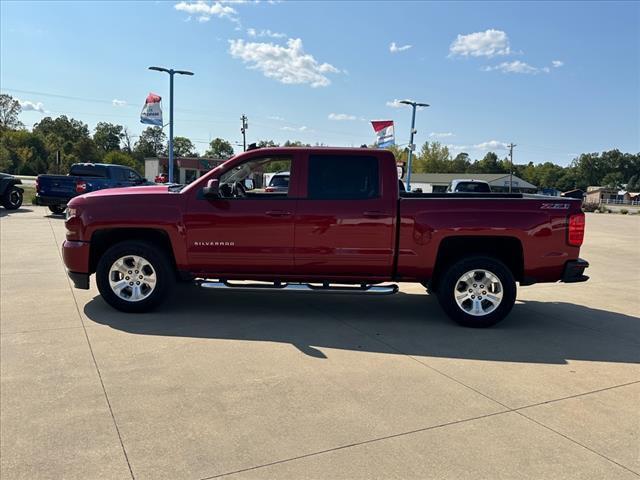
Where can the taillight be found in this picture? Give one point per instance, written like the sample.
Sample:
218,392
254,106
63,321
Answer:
37,185
81,186
576,229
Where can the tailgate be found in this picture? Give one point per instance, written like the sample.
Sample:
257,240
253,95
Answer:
57,186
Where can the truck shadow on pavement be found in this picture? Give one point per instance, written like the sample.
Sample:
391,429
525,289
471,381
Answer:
412,324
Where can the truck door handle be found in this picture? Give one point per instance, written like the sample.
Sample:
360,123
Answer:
277,213
375,214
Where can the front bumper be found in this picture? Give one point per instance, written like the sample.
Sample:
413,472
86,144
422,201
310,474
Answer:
574,271
75,255
47,201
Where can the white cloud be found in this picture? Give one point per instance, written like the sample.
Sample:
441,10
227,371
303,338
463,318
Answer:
491,145
393,48
206,10
275,117
29,106
252,32
294,129
481,44
118,103
341,116
516,67
441,134
557,63
289,65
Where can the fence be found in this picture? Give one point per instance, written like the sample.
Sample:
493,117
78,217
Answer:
609,201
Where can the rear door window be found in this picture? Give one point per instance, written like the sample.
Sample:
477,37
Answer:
343,177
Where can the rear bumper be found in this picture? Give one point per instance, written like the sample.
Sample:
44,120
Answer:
574,271
47,201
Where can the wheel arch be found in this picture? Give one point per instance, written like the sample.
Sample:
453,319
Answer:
102,240
507,249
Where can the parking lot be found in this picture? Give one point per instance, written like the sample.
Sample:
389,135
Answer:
278,385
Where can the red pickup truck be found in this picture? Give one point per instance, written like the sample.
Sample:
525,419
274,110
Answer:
342,225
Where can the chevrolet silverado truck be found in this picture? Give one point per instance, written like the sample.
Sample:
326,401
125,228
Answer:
342,225
55,191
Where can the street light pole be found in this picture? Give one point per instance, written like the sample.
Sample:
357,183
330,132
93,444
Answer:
412,147
171,73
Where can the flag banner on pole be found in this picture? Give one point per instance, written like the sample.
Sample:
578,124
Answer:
384,132
152,111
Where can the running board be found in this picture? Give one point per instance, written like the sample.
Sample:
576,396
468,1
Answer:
300,288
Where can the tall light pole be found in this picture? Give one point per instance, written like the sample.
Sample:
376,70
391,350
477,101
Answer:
171,73
412,147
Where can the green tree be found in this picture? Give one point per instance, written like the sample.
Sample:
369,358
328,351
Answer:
295,143
460,164
183,147
266,143
108,136
220,148
151,143
488,164
613,180
9,111
433,158
23,153
121,158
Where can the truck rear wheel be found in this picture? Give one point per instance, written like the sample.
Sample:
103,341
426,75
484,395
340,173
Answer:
477,291
134,276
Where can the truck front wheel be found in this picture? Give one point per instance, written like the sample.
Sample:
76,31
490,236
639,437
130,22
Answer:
477,291
134,276
57,209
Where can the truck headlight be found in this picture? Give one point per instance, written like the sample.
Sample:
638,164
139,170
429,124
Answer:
70,212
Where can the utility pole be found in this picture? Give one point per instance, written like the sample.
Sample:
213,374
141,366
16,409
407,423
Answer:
511,145
412,147
171,73
243,129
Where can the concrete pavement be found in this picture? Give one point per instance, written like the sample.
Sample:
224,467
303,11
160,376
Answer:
268,385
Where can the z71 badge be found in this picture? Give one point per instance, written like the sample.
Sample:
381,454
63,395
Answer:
555,206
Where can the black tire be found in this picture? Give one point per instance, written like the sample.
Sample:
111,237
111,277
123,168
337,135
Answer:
12,198
165,276
57,209
449,283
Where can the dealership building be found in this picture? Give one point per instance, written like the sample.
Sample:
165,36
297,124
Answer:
187,169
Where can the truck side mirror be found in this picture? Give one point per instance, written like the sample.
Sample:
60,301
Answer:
212,190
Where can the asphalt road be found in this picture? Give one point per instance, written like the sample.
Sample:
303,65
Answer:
275,385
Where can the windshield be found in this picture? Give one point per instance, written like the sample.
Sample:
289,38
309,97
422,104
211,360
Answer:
279,181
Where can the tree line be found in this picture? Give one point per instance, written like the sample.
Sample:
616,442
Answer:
25,152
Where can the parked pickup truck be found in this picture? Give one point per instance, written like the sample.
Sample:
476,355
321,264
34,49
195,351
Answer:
341,226
55,191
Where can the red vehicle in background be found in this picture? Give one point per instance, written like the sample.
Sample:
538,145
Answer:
161,178
342,225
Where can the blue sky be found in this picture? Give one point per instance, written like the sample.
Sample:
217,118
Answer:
555,78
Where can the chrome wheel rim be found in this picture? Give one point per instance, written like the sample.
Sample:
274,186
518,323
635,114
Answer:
132,278
478,292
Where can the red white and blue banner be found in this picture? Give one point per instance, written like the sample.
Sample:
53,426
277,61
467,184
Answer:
152,111
384,133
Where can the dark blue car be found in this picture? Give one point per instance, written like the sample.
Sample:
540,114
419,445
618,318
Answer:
55,191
